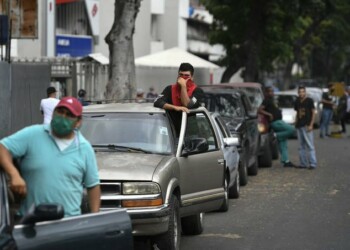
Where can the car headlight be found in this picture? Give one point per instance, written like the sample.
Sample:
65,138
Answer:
142,194
139,188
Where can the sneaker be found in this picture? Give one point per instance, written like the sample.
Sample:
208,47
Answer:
288,164
312,167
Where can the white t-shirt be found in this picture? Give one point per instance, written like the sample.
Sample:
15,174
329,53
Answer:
48,105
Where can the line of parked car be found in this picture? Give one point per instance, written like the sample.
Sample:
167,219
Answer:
168,177
157,180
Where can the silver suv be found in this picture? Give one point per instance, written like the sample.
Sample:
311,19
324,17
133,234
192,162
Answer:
164,178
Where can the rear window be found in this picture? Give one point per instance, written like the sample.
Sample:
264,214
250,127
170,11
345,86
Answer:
225,104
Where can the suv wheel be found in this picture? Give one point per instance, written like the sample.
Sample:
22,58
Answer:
243,172
234,190
265,160
171,239
192,225
274,150
253,170
224,206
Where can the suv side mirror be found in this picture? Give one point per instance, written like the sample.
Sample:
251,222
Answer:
43,212
231,141
195,145
252,114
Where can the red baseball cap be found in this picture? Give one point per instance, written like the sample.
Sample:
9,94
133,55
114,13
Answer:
72,104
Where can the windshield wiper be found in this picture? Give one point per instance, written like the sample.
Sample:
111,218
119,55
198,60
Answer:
122,148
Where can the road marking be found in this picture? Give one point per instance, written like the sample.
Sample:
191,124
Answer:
333,192
228,236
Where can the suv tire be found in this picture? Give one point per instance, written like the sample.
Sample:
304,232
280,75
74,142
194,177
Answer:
265,160
192,225
225,205
243,172
171,239
253,169
234,190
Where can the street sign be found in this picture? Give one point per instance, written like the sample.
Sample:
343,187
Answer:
73,46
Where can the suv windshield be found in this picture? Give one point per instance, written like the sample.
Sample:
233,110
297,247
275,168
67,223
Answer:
137,131
224,104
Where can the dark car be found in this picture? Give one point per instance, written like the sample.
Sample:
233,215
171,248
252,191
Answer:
235,109
268,149
44,227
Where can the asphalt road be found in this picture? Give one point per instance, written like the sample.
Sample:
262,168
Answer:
287,208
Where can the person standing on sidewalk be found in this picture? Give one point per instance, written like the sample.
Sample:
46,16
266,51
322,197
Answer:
48,104
304,124
327,112
282,129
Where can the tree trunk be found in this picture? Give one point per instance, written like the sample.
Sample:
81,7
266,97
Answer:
287,75
121,81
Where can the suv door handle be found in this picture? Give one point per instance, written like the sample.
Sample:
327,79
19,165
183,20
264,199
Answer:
221,161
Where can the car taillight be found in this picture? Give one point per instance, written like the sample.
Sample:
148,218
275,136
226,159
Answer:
262,128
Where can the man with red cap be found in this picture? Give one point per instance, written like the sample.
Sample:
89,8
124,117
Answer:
56,162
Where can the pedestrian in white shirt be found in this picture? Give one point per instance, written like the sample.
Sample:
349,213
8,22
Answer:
48,104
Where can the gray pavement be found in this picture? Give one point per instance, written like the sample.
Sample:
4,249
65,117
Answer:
287,208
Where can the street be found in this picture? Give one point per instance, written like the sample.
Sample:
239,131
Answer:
287,208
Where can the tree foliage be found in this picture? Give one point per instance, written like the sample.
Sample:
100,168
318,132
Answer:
258,35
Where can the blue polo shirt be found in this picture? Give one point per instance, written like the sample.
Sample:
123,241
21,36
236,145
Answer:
52,175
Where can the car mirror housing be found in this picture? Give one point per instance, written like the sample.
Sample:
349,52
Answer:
43,212
195,146
231,141
252,115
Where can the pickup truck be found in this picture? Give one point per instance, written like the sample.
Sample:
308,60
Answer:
166,178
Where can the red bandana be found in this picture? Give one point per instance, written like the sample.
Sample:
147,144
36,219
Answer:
176,92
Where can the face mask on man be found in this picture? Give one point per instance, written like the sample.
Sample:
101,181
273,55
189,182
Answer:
62,126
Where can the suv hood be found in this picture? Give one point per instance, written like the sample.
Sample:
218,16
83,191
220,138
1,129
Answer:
127,166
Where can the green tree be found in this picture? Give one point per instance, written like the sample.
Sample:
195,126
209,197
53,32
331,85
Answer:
261,35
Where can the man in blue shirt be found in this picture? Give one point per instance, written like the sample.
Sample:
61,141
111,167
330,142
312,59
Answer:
56,162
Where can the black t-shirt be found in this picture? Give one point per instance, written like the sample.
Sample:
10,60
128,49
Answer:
176,116
304,111
272,108
326,97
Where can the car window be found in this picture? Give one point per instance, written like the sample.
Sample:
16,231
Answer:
285,101
225,104
199,126
247,105
145,131
255,96
223,128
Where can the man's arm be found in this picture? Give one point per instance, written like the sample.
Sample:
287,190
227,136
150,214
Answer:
196,99
313,115
163,101
17,184
94,196
262,111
